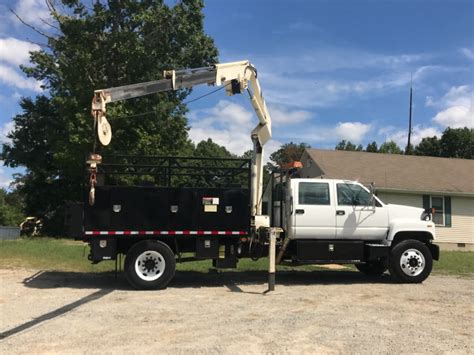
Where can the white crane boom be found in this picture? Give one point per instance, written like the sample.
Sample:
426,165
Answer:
235,76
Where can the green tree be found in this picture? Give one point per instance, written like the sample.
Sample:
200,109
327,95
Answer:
454,143
10,208
348,145
210,149
390,148
409,150
429,146
247,154
372,147
287,153
109,44
457,143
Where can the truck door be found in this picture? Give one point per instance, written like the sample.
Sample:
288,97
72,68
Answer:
356,216
314,215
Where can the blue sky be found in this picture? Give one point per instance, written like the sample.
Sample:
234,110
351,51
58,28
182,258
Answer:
330,70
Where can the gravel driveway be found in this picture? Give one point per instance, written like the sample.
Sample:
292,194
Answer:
322,311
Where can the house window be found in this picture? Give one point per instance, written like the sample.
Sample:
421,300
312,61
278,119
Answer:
437,202
442,204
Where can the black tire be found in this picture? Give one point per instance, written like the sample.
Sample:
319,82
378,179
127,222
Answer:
150,265
375,268
410,262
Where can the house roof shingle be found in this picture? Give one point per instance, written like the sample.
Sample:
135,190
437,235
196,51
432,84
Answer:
398,172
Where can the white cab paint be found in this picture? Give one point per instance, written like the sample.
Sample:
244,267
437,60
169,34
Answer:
311,220
314,212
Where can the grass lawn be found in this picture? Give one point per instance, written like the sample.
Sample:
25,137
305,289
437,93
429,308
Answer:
68,255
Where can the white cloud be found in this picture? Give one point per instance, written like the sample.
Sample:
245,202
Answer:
326,58
456,107
401,136
10,76
352,131
468,53
5,180
310,90
32,12
227,124
282,115
4,130
455,117
16,52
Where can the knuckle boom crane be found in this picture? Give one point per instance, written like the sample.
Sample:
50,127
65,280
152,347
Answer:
237,77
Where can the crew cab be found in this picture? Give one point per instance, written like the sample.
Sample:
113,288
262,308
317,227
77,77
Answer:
342,221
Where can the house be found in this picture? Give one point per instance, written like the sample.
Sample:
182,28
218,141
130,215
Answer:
446,184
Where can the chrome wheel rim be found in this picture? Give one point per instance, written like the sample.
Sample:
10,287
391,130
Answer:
412,262
150,265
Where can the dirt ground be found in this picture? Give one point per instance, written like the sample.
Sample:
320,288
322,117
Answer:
310,312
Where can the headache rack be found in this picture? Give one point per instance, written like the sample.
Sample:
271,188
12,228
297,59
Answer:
173,171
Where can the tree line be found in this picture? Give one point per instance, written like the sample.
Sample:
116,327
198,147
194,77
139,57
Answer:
453,143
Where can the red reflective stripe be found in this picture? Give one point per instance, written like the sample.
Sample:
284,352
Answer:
170,232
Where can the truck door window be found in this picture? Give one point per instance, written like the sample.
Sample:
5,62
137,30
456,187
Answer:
313,193
352,195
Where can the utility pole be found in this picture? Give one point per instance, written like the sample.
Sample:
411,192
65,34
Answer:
408,149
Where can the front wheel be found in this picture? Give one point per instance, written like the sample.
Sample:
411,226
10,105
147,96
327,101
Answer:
150,265
410,261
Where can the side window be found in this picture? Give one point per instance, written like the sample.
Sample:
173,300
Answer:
313,193
352,195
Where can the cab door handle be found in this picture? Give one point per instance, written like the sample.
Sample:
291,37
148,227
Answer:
340,212
297,211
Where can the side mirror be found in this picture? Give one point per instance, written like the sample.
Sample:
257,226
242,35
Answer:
372,194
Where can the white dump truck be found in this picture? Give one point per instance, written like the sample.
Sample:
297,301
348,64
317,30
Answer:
174,207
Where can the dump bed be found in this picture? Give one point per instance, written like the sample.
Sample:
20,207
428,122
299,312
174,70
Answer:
158,210
149,196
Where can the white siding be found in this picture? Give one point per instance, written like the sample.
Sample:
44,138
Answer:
401,199
462,216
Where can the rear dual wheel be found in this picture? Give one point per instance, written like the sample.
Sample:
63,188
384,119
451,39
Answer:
150,265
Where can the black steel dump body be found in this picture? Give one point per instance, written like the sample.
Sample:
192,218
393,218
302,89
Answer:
165,196
157,210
